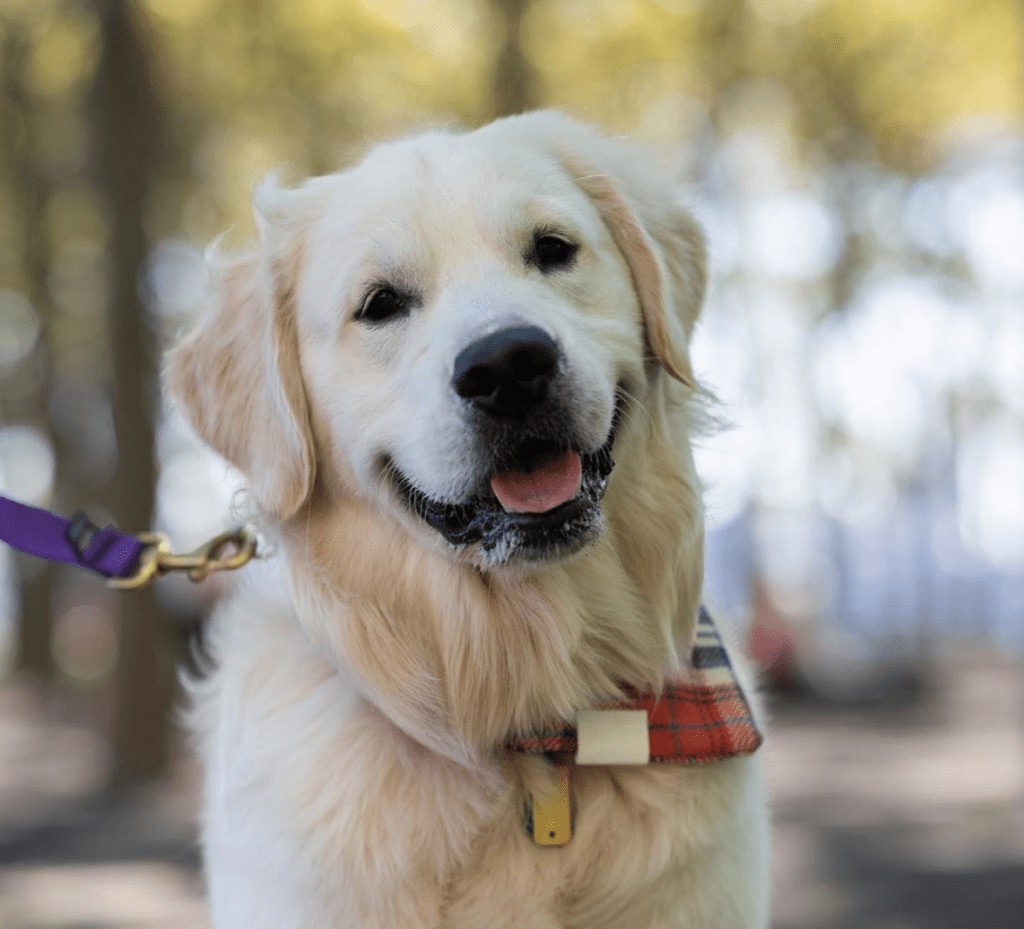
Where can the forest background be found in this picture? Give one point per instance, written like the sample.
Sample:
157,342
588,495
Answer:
859,167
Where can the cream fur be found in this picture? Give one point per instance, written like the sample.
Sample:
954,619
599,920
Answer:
352,726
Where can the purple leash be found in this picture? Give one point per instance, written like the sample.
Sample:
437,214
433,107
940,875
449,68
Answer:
127,561
77,541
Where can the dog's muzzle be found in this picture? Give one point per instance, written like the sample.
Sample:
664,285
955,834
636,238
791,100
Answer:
544,492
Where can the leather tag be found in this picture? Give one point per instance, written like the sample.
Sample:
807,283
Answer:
552,813
612,737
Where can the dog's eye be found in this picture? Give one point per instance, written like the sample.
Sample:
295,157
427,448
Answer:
550,252
382,305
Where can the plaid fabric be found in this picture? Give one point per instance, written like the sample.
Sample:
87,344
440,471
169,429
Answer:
705,718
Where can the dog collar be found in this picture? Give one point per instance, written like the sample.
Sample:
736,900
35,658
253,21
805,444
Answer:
704,718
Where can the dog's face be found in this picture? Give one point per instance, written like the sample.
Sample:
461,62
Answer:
475,335
451,331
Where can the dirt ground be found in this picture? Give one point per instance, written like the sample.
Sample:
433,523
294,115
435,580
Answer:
903,812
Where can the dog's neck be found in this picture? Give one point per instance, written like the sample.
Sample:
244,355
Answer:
459,659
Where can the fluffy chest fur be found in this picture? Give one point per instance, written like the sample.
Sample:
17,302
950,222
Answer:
321,812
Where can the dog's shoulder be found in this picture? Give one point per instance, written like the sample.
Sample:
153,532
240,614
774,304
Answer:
259,668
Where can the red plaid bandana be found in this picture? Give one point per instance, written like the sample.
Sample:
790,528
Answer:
704,718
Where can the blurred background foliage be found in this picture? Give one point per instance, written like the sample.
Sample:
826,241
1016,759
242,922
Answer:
859,167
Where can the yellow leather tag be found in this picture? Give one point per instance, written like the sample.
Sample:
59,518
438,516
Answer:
552,813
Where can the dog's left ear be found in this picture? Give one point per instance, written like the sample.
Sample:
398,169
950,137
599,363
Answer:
237,374
664,249
660,241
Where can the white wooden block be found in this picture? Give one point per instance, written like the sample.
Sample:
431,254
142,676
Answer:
612,737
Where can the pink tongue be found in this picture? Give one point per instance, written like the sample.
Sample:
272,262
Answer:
541,490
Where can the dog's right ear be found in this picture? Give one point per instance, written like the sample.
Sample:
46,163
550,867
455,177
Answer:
660,241
237,374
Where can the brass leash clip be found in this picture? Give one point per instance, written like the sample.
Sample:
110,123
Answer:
225,552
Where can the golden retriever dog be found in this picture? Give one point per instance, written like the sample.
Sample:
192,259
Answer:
457,380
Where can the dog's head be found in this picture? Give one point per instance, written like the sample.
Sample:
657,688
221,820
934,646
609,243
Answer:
455,331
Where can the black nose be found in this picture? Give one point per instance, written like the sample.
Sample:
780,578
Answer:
506,374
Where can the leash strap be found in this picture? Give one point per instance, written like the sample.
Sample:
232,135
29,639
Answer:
75,541
127,561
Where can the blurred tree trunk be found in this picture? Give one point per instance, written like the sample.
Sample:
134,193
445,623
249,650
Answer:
514,89
127,123
30,187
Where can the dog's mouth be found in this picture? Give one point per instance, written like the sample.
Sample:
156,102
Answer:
544,502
